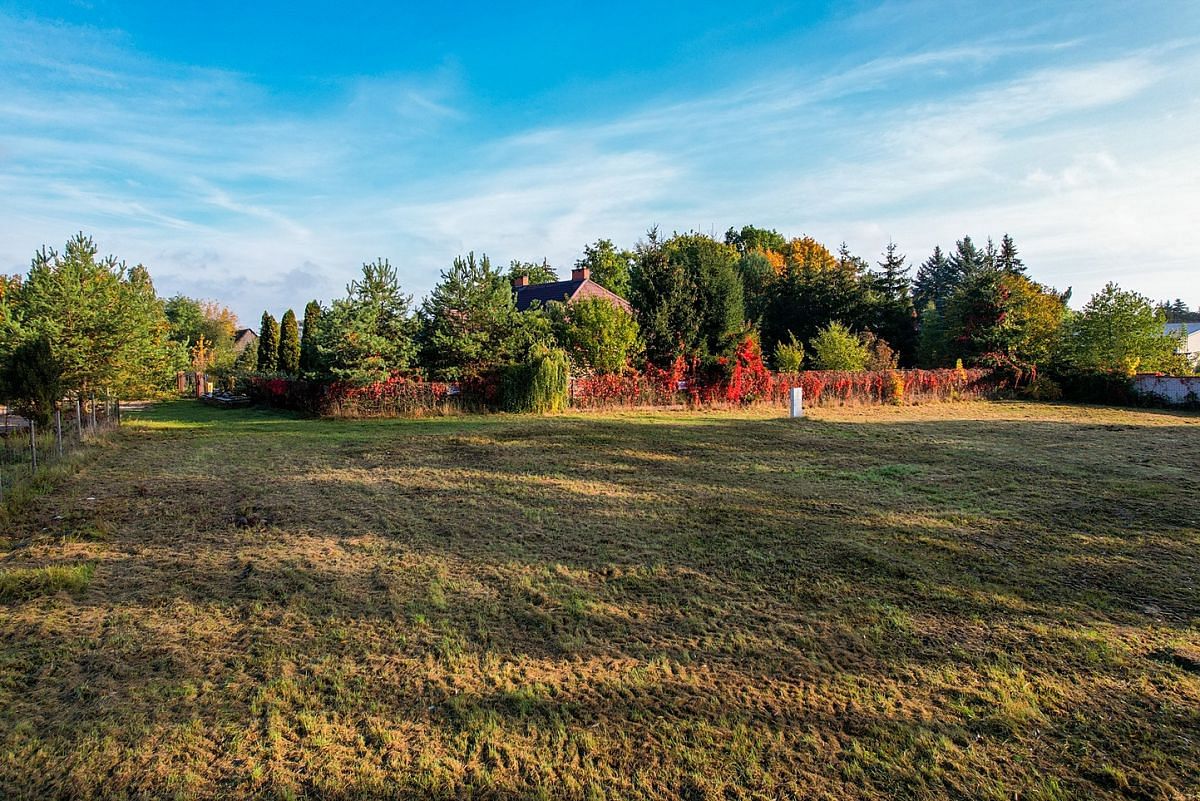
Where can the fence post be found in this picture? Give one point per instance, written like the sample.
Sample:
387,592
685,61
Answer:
93,414
79,417
58,430
32,447
118,410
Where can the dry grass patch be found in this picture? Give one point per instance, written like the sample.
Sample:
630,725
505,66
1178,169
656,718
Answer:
958,601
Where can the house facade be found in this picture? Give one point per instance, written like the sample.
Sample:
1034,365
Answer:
579,287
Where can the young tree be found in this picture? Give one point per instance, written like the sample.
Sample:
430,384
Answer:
268,344
103,321
470,323
599,336
1120,332
610,266
836,347
289,343
788,356
372,331
310,338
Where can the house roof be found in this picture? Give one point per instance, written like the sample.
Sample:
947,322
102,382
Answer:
565,291
1187,328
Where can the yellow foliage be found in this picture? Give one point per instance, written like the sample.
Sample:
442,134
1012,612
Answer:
809,254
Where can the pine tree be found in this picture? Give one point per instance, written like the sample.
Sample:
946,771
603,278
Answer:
103,321
289,343
892,279
470,321
371,332
991,257
936,279
268,344
1008,260
896,316
310,335
966,260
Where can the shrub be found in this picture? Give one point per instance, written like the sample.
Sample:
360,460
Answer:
835,347
1043,389
749,380
599,335
788,356
540,384
31,380
880,355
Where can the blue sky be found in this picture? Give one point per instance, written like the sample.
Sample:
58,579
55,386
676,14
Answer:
258,153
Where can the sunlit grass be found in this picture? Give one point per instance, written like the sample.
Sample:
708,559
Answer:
957,601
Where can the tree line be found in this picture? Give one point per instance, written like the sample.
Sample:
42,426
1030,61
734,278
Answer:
77,322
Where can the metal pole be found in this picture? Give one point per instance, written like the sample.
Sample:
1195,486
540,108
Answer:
58,430
79,417
32,447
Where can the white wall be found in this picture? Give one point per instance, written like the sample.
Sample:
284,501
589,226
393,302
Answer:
1172,389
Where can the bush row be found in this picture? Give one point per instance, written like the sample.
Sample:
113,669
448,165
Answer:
405,396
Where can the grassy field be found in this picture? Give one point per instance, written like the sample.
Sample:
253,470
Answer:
976,601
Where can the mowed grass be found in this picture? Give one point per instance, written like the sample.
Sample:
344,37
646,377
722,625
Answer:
973,601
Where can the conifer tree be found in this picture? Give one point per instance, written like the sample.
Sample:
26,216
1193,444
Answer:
371,332
289,343
309,337
268,344
1008,260
967,260
936,279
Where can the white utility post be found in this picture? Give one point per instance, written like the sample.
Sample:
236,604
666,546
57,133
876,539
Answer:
797,402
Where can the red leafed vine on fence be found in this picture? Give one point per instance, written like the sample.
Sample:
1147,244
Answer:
743,380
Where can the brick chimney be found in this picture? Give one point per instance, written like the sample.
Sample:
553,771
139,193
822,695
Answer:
521,280
581,274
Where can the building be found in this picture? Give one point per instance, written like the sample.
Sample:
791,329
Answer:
579,287
1190,333
244,338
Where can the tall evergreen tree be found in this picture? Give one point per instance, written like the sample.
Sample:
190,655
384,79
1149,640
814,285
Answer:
268,344
896,317
310,337
966,259
1008,260
289,343
937,277
664,299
